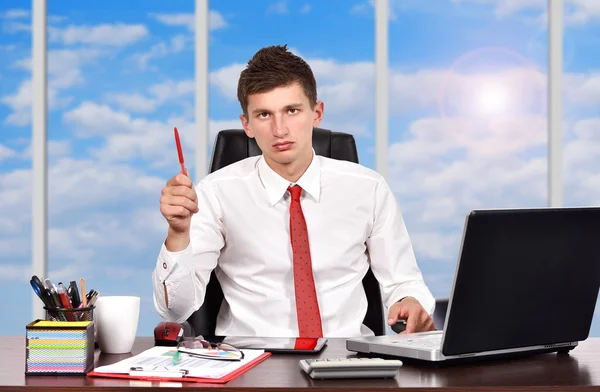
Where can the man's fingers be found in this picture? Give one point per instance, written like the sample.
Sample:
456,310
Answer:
426,322
412,323
180,179
392,319
181,201
180,190
170,211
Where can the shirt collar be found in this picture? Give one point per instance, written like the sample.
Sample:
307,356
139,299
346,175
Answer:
276,186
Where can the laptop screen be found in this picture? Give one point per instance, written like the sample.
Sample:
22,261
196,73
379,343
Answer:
524,277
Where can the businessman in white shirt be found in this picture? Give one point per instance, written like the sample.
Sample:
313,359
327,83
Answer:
289,234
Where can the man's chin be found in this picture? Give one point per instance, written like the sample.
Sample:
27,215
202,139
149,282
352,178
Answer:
282,157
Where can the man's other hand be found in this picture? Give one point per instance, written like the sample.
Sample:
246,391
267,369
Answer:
409,309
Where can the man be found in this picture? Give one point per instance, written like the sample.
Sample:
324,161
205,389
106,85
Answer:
291,234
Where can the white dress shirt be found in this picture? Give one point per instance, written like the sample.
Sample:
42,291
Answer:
242,230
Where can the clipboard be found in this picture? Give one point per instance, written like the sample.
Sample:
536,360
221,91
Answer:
181,376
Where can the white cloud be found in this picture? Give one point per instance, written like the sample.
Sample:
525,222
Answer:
118,34
15,210
434,245
348,92
582,11
56,18
367,8
576,11
215,126
305,9
180,19
6,153
11,272
8,48
20,103
158,94
215,20
176,44
59,148
343,87
15,27
90,119
64,69
126,137
171,90
278,7
56,149
360,8
582,156
469,93
136,102
508,7
15,13
80,184
583,90
226,79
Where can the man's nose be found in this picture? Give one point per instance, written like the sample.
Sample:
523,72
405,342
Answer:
279,127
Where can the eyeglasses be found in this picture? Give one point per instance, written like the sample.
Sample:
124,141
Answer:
200,347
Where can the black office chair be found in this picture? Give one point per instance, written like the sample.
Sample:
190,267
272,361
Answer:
233,145
439,314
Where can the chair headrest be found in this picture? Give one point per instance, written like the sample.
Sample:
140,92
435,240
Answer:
232,145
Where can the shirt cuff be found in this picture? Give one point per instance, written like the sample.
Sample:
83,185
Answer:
168,261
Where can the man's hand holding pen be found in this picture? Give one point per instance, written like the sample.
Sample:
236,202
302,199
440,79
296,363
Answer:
178,203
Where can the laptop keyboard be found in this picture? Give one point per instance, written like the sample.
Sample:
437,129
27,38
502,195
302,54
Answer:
425,342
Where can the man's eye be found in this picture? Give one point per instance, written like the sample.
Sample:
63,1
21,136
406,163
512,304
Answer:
293,111
263,115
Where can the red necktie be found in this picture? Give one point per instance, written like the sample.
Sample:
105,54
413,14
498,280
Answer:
307,307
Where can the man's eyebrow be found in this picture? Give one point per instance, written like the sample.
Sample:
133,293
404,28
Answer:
286,107
293,105
259,110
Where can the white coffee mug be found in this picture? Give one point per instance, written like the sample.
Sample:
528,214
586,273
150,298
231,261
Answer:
116,319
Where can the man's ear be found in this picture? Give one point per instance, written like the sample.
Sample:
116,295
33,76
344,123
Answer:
318,110
246,126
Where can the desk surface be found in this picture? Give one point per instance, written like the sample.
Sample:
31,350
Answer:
578,371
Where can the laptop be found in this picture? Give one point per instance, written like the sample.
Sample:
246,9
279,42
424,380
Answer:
526,282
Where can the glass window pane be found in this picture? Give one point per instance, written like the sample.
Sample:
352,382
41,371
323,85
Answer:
467,122
334,37
121,76
581,112
15,163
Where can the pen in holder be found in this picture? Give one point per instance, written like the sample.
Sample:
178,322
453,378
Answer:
70,314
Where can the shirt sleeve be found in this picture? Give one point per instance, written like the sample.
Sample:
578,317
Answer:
183,275
392,258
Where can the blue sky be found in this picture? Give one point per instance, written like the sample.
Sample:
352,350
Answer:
466,129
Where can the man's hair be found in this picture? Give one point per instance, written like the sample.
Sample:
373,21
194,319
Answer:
272,67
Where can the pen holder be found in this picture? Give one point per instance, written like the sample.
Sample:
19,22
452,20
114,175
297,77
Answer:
70,314
59,348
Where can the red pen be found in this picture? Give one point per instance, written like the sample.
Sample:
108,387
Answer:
65,300
179,151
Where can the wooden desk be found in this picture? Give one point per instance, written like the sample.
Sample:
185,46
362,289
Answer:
579,371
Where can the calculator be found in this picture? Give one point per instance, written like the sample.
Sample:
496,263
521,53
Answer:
324,368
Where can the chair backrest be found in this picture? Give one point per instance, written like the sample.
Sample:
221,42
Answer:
439,314
233,145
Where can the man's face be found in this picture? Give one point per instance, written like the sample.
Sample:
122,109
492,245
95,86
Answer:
281,121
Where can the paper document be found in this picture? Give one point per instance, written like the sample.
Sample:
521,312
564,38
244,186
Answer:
160,359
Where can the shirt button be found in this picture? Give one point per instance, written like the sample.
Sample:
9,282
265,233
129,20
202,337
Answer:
165,265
